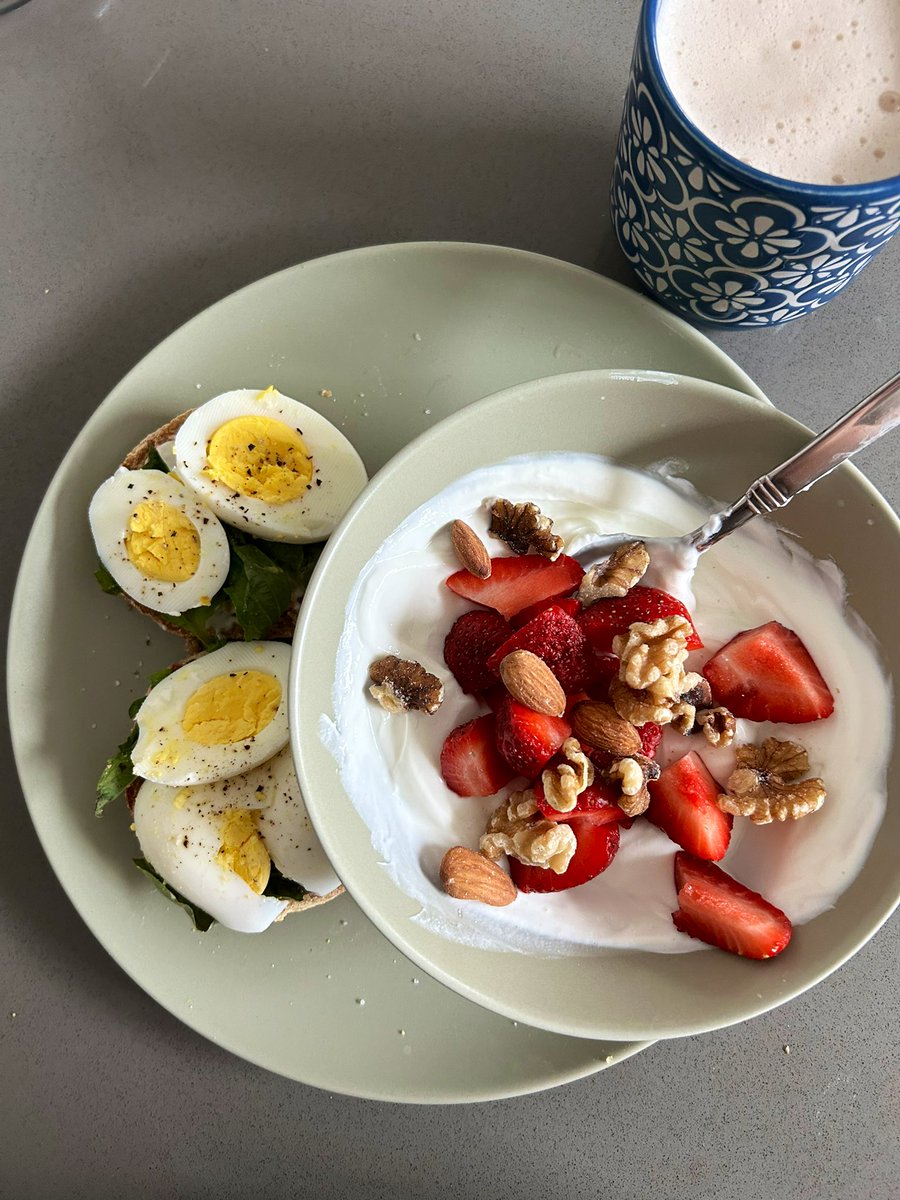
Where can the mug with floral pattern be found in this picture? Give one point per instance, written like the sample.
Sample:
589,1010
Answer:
718,240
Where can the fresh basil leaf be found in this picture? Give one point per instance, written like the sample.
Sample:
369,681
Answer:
281,888
155,461
106,581
202,920
259,590
116,776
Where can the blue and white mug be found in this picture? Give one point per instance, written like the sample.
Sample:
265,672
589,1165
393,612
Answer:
718,240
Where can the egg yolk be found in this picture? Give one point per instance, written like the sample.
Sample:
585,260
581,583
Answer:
242,850
162,542
261,458
231,708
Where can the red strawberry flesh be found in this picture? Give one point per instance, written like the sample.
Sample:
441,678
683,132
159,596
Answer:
555,637
767,674
568,604
470,762
518,581
596,803
717,909
602,621
596,848
527,740
472,639
683,804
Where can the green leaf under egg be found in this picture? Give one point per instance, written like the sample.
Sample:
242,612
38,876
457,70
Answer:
117,775
106,581
258,588
282,888
155,461
202,920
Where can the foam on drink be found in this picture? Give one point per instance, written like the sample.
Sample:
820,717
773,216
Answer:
808,90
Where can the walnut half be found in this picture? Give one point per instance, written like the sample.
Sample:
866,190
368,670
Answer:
632,774
524,529
399,684
616,576
767,786
517,829
564,783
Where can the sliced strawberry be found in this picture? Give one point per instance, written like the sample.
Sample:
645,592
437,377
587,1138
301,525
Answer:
527,739
596,848
596,803
722,912
472,639
650,735
518,581
568,604
683,805
602,669
767,674
555,637
603,620
494,696
470,762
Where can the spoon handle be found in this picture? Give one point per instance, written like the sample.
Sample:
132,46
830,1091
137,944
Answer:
861,426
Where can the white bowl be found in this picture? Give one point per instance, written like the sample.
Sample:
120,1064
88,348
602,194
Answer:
637,418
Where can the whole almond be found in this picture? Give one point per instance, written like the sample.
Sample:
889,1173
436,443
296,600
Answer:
529,680
468,875
600,726
470,550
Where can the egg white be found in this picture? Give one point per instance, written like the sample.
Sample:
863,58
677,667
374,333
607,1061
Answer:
338,472
180,832
286,829
109,513
163,751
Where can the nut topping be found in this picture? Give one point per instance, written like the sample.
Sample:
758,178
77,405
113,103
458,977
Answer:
516,829
652,656
529,680
638,706
633,774
524,529
616,576
718,725
470,550
399,684
467,875
564,783
600,726
767,786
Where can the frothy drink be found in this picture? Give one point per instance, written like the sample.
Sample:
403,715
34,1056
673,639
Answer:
808,90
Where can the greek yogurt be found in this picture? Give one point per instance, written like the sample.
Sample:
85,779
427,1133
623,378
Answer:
389,764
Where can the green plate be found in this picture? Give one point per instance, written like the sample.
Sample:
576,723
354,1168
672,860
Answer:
384,341
727,441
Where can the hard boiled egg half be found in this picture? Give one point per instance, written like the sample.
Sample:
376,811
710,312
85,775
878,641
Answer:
216,717
161,544
269,465
214,843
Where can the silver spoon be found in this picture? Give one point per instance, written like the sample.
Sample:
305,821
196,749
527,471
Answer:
862,425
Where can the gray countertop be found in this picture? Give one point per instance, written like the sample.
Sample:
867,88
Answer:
156,157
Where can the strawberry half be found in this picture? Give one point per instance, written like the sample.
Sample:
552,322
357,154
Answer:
555,637
602,621
683,805
518,581
472,639
568,604
470,762
722,912
596,848
527,739
596,803
767,674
